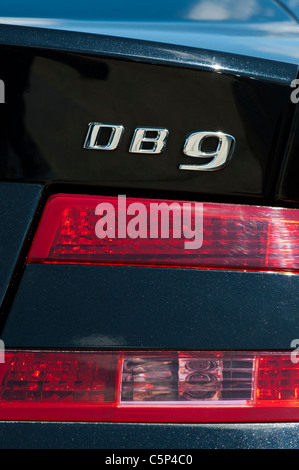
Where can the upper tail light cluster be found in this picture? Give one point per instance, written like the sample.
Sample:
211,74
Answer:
231,236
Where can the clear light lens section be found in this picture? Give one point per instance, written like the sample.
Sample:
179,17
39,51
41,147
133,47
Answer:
232,236
189,378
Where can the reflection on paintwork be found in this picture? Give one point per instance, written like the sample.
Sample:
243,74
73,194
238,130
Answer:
135,10
98,340
274,40
227,10
293,6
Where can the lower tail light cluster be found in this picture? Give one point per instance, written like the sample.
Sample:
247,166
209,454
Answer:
149,386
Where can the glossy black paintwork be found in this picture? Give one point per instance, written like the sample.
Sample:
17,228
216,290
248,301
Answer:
18,203
259,28
288,186
71,306
52,96
146,51
35,435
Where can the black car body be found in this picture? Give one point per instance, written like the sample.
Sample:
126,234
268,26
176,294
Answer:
186,66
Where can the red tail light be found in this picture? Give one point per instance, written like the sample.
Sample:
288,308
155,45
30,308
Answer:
224,235
149,386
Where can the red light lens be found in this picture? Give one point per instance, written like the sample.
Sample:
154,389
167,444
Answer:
149,386
55,377
278,379
231,236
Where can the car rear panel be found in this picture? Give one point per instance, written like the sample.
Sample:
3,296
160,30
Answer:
48,111
212,310
56,83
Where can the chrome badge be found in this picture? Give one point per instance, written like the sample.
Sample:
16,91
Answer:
150,140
